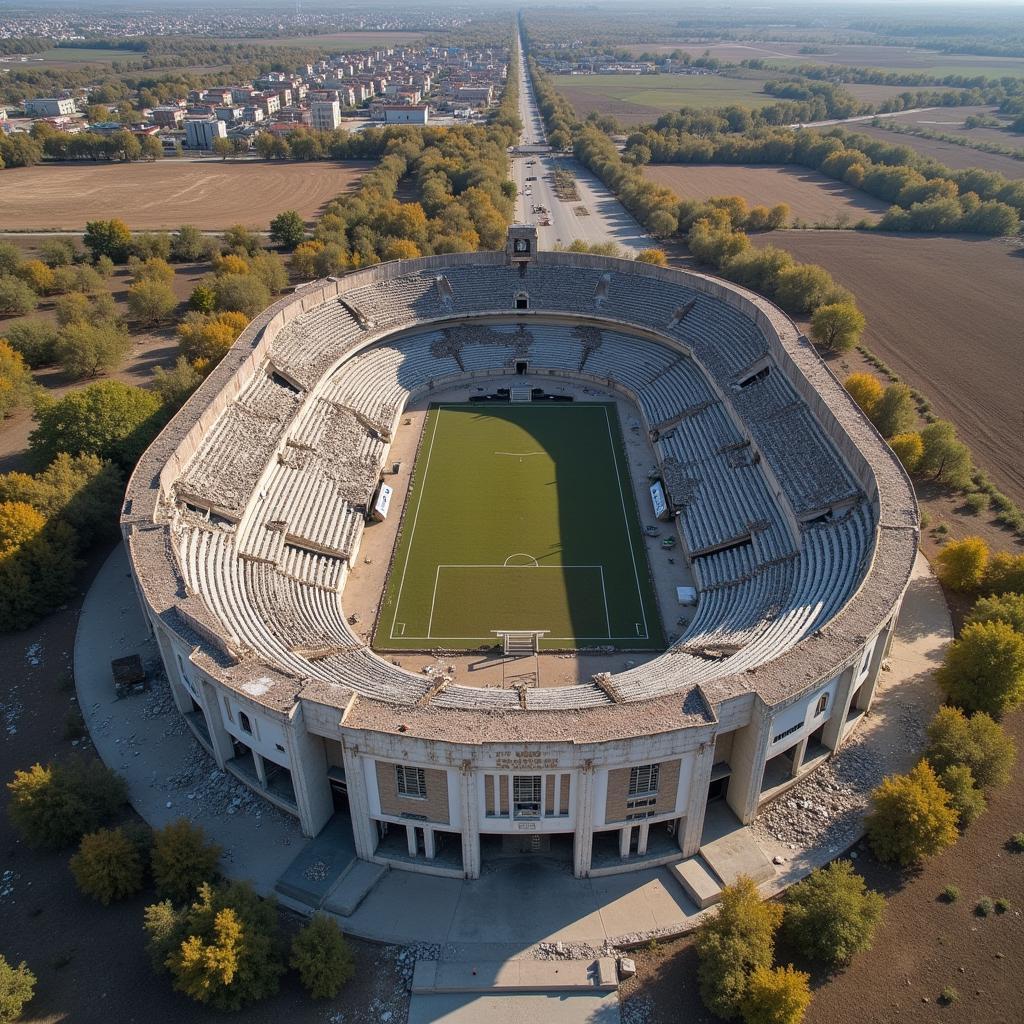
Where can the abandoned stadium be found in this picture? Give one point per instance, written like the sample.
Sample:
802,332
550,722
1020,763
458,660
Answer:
791,521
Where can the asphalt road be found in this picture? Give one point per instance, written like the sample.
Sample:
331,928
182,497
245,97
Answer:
597,216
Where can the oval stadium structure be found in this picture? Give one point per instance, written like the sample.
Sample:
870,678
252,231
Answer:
337,654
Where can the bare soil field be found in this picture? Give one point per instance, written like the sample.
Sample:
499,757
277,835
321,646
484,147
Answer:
950,121
945,313
811,196
924,944
334,42
168,193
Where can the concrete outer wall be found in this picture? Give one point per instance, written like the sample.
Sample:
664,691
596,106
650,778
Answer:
307,723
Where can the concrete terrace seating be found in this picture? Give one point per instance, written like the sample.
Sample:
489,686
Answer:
223,473
311,343
398,300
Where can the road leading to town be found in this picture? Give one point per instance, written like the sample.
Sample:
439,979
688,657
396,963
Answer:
597,216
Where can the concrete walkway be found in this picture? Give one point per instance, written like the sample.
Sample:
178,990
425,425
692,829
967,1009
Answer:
146,740
516,903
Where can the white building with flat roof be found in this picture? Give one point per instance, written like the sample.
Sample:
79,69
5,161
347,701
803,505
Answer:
325,115
200,132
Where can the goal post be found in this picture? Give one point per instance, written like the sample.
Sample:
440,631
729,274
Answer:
520,642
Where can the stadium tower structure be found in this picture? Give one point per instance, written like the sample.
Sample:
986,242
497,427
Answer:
244,518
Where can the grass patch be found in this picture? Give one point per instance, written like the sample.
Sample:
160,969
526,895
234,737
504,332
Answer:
520,517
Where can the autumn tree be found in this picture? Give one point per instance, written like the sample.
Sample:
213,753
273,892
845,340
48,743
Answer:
241,293
866,390
908,449
34,339
961,564
16,297
732,944
16,385
108,238
944,457
54,805
17,986
176,384
1008,608
151,301
965,797
204,339
984,669
911,817
777,995
656,257
837,326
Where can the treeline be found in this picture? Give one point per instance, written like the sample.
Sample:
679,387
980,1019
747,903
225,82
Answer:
982,88
965,141
925,195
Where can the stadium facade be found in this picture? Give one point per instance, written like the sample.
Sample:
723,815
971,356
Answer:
245,516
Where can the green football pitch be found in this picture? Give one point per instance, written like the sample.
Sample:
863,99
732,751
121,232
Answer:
520,517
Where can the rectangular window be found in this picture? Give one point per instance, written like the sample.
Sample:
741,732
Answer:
788,732
822,704
243,721
411,781
526,796
643,779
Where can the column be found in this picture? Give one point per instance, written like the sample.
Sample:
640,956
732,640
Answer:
469,803
261,768
220,738
691,829
799,752
364,831
625,834
749,750
428,843
583,837
832,736
645,831
410,839
307,761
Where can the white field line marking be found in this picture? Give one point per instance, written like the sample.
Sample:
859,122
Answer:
520,455
396,625
604,597
532,564
625,520
433,598
415,521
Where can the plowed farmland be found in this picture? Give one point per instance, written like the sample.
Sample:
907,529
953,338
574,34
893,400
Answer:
811,196
945,312
209,193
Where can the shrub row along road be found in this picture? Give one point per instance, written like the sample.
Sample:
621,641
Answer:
605,218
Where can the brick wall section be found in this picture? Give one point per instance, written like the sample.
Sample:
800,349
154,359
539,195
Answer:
615,808
434,807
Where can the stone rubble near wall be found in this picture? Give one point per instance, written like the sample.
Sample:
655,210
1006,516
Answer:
827,808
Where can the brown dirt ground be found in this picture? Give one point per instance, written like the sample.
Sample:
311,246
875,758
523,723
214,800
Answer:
923,945
167,193
811,196
945,313
89,960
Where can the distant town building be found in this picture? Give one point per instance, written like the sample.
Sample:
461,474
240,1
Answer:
403,113
325,115
54,106
200,132
167,117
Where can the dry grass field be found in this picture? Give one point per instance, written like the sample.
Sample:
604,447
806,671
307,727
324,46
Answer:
945,313
811,196
211,193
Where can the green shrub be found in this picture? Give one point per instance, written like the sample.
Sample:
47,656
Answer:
831,915
1002,905
731,945
108,866
976,502
1016,842
55,805
948,996
322,957
964,797
984,907
182,860
951,894
17,985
